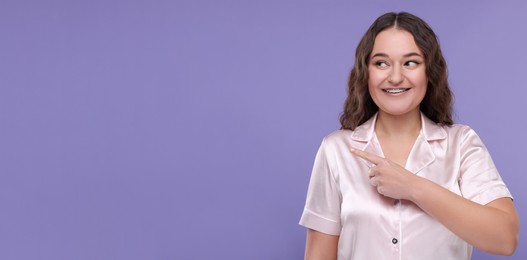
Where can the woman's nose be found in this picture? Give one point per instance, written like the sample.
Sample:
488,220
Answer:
396,77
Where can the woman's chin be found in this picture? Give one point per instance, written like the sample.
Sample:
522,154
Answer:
399,111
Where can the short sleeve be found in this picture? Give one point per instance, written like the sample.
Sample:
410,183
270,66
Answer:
322,209
479,178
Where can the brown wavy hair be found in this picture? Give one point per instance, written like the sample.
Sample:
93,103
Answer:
437,103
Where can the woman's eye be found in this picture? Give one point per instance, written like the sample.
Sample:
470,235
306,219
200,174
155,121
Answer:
411,63
381,64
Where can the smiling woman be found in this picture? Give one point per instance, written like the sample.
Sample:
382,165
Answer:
400,180
397,77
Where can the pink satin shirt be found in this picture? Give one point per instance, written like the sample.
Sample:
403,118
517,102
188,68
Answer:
341,201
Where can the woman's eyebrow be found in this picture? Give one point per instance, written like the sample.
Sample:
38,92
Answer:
412,54
380,54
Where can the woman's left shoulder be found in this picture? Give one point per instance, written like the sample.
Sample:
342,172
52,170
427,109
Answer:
461,132
458,129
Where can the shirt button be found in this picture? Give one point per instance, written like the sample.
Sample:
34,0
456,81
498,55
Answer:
394,241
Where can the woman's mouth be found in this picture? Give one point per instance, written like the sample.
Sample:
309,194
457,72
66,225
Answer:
395,90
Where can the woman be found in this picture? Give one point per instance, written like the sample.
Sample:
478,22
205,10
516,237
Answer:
400,180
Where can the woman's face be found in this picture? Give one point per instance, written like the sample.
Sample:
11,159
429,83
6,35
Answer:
397,72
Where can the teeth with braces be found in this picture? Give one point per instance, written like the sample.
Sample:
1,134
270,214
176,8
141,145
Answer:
395,90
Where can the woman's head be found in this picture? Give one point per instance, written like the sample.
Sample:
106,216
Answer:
437,102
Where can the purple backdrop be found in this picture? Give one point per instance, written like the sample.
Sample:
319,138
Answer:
187,129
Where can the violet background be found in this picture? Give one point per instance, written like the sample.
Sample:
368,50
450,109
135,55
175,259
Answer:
187,129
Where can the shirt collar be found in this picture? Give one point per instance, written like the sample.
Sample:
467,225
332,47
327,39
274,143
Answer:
429,129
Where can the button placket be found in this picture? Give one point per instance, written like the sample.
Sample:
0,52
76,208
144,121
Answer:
398,226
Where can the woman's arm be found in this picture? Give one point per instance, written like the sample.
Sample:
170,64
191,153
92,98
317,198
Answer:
320,246
493,227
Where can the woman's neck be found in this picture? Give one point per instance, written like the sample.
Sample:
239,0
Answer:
398,126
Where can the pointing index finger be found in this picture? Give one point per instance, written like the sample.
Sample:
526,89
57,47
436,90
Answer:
366,156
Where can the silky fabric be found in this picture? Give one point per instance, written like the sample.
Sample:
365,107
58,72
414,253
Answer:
341,201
